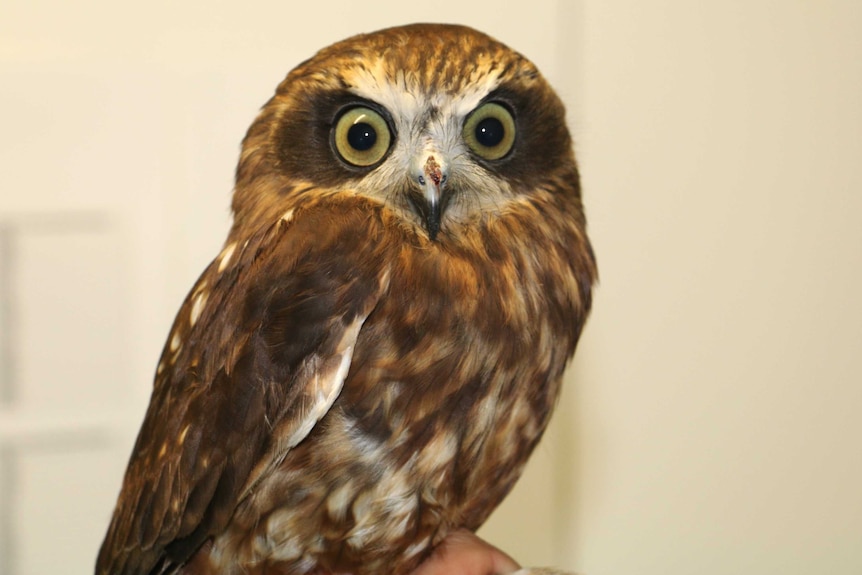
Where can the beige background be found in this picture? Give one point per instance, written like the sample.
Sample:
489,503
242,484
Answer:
713,419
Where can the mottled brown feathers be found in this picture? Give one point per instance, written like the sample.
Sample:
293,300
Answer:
342,387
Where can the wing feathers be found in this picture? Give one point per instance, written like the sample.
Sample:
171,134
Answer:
250,381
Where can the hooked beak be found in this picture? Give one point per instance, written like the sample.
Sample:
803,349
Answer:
430,199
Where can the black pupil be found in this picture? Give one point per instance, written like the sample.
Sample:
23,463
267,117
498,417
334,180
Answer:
490,132
361,136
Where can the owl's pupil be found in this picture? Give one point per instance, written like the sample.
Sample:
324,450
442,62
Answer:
490,132
361,136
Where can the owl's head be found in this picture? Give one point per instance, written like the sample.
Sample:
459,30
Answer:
442,123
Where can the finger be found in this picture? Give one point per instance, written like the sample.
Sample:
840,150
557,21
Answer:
463,553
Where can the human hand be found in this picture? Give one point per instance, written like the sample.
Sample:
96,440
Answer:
463,553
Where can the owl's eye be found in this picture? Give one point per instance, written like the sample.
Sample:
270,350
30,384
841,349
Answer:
490,131
361,136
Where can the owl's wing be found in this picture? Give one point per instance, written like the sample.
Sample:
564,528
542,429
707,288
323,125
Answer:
258,353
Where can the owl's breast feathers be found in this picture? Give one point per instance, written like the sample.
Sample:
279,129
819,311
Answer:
338,391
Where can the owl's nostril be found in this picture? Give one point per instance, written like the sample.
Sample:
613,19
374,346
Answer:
433,170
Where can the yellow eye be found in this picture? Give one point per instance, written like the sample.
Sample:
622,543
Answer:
490,131
361,136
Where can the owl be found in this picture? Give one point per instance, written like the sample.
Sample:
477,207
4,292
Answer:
367,364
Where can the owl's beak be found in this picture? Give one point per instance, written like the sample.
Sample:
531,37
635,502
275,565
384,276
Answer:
430,202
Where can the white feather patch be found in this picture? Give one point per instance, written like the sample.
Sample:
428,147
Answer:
224,257
323,387
176,341
417,547
328,386
197,307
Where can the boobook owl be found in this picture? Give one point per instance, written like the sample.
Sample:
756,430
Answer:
368,363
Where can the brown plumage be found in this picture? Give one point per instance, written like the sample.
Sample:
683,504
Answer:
376,351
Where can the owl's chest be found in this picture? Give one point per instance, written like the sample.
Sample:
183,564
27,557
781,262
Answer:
450,335
448,392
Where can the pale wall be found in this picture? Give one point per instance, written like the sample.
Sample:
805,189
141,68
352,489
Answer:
718,416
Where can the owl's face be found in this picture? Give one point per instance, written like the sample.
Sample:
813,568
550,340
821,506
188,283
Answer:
442,123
